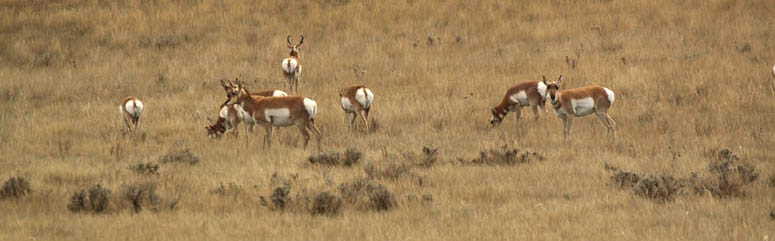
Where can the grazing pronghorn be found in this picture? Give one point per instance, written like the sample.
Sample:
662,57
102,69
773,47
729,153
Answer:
276,111
130,110
577,102
292,65
530,93
356,101
229,118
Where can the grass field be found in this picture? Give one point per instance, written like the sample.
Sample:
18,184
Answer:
689,76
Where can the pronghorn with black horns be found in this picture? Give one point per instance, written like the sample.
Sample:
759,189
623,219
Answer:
130,110
578,102
292,66
530,93
276,111
356,101
229,118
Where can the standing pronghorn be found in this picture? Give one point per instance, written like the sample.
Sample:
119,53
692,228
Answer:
530,93
356,101
130,110
570,103
229,118
292,66
276,111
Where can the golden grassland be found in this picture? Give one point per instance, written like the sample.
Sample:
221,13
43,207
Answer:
688,76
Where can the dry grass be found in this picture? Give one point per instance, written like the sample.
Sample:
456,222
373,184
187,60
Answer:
689,76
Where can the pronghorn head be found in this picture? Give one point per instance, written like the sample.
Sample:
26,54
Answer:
497,116
294,48
238,91
229,87
215,130
553,87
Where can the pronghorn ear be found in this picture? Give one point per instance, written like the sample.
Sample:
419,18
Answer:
494,113
300,41
559,81
210,119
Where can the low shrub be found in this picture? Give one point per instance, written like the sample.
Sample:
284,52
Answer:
185,156
348,158
94,199
15,187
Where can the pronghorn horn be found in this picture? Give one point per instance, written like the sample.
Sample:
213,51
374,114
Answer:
289,41
544,78
223,83
301,41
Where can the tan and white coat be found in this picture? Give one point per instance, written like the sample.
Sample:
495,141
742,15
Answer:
530,93
578,102
356,101
229,118
131,110
277,111
292,66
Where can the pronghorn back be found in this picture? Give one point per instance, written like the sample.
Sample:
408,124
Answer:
356,94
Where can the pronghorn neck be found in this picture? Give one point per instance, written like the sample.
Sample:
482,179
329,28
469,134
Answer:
294,54
556,100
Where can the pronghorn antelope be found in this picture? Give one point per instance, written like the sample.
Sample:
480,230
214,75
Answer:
229,118
530,93
356,101
292,65
577,102
276,111
130,110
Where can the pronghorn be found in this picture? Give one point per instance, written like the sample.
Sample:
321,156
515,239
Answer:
130,110
229,118
530,93
276,111
292,66
577,102
356,101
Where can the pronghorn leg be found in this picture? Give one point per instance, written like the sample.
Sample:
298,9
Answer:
311,126
352,121
304,133
268,136
347,121
535,110
612,124
365,122
604,120
298,76
137,123
568,123
247,140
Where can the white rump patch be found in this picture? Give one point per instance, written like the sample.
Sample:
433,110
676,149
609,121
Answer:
541,89
364,99
134,108
279,93
583,107
520,97
280,116
288,68
346,105
610,95
311,106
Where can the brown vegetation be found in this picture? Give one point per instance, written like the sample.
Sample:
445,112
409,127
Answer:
688,76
